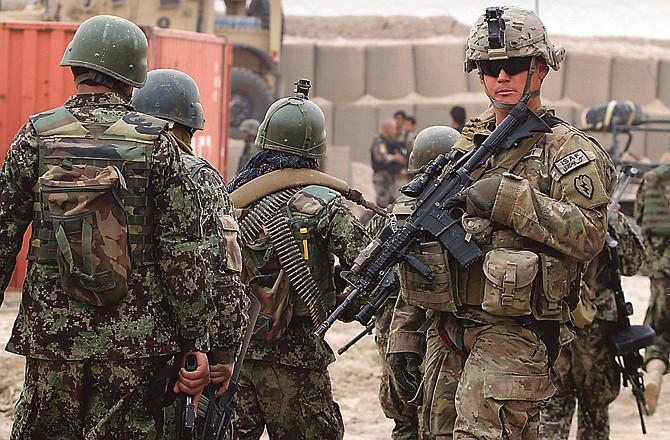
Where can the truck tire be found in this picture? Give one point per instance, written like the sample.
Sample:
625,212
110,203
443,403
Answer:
250,97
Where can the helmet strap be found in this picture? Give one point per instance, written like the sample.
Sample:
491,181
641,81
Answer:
104,80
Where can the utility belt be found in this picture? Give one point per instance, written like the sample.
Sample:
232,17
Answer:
516,278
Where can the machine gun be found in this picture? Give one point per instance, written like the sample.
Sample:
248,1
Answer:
436,192
627,339
217,413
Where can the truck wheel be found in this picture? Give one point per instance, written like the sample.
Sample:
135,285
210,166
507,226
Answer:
250,97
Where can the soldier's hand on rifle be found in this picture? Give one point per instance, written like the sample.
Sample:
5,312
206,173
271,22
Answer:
220,374
193,382
405,368
481,196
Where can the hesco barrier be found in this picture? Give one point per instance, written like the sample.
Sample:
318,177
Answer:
31,81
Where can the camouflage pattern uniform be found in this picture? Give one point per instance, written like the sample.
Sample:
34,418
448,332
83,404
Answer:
396,402
284,383
657,268
88,368
586,371
387,177
504,381
292,228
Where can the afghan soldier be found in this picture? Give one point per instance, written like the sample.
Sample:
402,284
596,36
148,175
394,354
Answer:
398,398
388,156
174,96
293,222
116,284
538,213
652,214
586,370
249,130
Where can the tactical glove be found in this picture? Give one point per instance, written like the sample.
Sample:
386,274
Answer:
481,196
405,368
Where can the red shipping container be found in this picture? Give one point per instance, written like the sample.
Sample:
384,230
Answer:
32,81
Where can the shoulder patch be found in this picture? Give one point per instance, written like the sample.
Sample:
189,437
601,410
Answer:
135,126
57,122
571,162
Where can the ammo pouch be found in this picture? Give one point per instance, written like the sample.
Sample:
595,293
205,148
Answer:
90,227
555,287
508,284
418,290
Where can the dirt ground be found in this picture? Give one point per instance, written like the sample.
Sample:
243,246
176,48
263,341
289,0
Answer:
355,377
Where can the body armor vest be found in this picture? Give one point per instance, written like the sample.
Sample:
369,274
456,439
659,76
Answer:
126,144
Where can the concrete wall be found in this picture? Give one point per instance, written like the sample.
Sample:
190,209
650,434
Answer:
363,82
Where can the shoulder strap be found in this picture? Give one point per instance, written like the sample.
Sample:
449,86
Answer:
58,121
195,164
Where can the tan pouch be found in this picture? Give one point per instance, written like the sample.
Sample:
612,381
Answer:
232,249
509,281
585,312
478,229
418,290
555,287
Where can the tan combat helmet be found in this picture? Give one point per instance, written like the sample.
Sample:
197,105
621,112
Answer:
430,143
509,32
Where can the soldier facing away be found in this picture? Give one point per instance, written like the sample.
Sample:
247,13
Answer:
538,213
652,214
292,224
174,96
117,283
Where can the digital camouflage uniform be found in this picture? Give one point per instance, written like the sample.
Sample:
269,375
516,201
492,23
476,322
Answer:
586,370
292,228
651,214
555,189
396,402
387,177
88,368
284,383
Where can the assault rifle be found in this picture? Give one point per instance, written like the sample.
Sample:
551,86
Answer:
186,406
219,411
436,191
627,339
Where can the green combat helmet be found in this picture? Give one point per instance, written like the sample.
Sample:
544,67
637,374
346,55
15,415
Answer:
250,126
294,125
430,143
521,35
112,46
173,95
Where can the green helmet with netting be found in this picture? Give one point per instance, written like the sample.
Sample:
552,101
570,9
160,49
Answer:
173,95
294,125
509,32
430,143
112,46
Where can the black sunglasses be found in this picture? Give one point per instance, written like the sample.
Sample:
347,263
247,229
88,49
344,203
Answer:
512,66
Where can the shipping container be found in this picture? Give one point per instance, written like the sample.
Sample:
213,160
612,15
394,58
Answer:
32,81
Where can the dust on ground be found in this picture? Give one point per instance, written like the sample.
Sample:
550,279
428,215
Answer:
355,376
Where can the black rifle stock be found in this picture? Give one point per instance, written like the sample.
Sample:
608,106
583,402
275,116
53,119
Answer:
218,419
627,339
434,190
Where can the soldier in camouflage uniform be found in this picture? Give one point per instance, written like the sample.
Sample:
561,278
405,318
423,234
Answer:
398,398
538,213
90,358
388,156
292,224
173,95
249,130
586,369
652,214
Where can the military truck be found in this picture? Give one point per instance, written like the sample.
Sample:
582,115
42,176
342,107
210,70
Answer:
253,27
